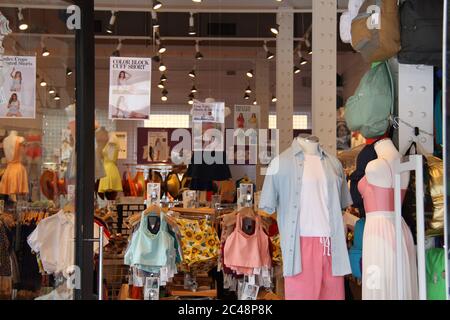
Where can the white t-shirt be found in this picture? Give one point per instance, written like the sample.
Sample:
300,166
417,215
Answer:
54,237
314,215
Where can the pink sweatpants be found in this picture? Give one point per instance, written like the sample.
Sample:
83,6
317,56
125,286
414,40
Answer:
316,281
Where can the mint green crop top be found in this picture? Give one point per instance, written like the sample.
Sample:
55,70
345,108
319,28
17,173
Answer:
147,250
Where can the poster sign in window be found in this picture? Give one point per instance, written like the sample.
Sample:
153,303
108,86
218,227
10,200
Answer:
129,88
18,92
208,126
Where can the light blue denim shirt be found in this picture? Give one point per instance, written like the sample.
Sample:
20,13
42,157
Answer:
281,193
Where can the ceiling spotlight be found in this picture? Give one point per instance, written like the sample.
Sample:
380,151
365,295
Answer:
43,83
303,61
164,98
156,58
197,1
246,96
57,97
198,54
156,5
155,21
112,20
296,70
193,89
69,71
191,98
116,53
163,78
250,73
162,67
192,31
22,24
161,85
192,73
275,29
310,51
248,90
51,91
162,48
269,55
45,52
274,99
255,103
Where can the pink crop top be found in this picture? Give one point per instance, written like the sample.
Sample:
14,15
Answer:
243,253
377,198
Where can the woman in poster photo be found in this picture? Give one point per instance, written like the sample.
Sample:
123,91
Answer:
16,77
240,121
157,149
13,106
121,107
122,79
253,122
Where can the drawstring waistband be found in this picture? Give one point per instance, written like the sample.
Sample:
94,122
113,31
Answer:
326,245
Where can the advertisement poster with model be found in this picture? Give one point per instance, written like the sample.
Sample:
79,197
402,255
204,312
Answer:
17,95
129,88
122,138
246,117
208,126
158,146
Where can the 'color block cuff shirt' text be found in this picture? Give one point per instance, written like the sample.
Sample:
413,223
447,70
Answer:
281,193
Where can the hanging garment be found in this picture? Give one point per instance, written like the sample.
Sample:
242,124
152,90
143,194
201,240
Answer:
148,251
316,282
243,253
15,178
376,35
202,174
435,267
112,181
421,32
5,262
128,185
379,246
53,239
199,243
436,174
139,181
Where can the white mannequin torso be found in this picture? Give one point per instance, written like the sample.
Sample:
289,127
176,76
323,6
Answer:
113,144
101,138
380,172
9,144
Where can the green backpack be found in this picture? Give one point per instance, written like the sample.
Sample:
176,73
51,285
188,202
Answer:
369,109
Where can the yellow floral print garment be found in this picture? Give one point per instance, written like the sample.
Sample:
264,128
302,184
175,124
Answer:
200,245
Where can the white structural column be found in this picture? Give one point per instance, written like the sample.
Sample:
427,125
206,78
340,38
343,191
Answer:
415,106
324,14
263,97
285,77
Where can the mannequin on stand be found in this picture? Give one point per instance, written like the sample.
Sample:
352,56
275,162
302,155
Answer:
15,179
307,188
379,248
111,184
101,139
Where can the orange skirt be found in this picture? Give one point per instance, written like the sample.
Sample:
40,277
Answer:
14,180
